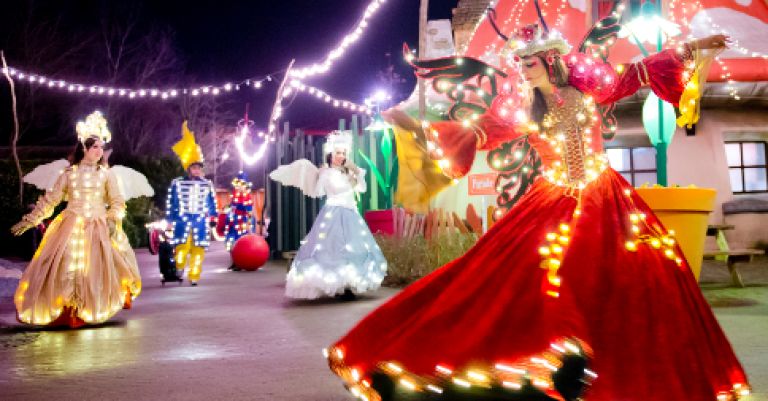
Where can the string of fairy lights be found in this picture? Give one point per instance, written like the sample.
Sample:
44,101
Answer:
340,50
170,93
167,93
107,90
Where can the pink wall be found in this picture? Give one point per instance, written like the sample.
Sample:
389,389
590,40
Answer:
700,160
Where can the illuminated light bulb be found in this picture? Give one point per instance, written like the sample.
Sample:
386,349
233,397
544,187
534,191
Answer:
563,239
631,246
434,389
462,382
512,385
442,369
656,243
544,251
394,367
477,376
669,253
551,236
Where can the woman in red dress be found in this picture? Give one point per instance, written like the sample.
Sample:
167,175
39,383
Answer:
579,271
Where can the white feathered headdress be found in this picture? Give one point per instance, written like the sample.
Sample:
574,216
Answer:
338,139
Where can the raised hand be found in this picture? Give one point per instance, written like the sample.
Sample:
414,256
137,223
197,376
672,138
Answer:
20,227
718,41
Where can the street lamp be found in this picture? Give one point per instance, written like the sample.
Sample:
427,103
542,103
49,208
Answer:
375,102
658,115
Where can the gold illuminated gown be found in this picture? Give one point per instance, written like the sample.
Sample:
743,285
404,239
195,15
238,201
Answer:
84,270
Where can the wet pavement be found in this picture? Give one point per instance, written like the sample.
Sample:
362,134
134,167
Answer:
235,337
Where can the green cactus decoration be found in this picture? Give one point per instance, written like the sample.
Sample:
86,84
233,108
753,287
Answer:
386,176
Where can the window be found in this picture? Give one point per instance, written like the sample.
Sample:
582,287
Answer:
637,163
747,166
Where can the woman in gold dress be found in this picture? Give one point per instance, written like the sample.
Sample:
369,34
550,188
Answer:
84,270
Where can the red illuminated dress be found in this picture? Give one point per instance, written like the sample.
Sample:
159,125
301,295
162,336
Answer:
580,265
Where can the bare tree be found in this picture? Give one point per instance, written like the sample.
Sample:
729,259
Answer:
39,45
138,59
213,122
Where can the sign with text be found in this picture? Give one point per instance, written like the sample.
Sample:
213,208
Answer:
482,184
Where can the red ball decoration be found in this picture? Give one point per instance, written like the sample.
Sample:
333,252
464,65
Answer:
250,252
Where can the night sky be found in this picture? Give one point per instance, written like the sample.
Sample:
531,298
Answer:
237,39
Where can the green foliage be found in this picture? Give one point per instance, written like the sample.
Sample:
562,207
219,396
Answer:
410,259
159,172
136,217
140,211
13,210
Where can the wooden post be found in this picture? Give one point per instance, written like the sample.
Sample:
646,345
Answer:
300,153
423,12
278,217
14,149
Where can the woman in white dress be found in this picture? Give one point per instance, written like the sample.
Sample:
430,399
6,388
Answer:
339,256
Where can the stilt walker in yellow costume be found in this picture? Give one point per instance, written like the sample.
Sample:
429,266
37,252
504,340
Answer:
190,208
84,270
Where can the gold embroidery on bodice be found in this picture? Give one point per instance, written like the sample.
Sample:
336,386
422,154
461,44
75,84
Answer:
568,128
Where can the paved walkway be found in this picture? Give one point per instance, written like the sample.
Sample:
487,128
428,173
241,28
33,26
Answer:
235,337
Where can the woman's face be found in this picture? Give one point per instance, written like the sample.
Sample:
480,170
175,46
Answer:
534,71
339,156
95,152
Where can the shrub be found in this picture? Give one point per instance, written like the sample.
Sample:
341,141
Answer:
409,259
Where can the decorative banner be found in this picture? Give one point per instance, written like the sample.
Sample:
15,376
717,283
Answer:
439,39
482,184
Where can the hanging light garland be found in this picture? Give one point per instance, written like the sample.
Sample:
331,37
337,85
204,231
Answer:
130,93
298,86
338,52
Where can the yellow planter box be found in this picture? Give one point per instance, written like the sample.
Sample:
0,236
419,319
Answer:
686,211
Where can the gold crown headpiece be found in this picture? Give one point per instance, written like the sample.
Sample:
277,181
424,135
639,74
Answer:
95,125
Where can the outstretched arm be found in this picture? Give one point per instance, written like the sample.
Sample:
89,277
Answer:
663,71
45,205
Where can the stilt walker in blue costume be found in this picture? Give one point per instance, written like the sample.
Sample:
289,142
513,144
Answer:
191,208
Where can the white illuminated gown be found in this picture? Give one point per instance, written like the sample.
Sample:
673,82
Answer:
339,253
